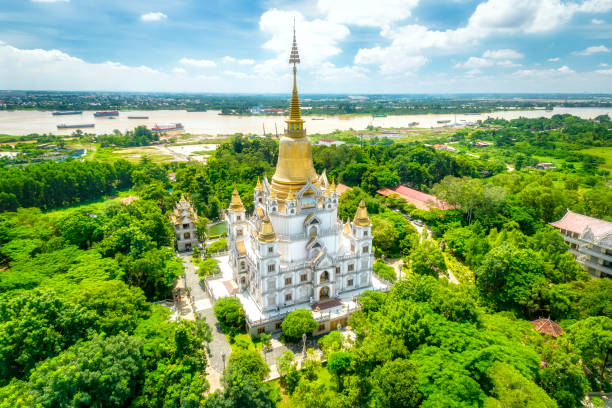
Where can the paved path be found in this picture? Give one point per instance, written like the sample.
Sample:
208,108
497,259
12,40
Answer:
219,344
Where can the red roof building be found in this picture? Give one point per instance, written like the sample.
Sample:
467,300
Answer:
547,326
129,200
341,189
420,200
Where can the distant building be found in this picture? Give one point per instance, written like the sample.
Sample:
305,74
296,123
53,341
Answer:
184,220
590,240
545,166
420,200
483,143
172,176
444,147
328,142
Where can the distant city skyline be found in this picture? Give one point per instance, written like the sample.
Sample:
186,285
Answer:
346,46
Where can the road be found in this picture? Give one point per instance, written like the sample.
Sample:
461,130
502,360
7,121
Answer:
219,345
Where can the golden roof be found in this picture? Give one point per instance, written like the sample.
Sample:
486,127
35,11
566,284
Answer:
361,216
294,167
347,228
236,203
258,186
291,195
241,248
266,233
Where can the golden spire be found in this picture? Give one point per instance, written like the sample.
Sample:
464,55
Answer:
236,203
294,167
295,124
267,233
333,185
361,216
258,186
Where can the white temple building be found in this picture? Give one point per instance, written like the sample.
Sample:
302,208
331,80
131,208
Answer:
293,251
184,220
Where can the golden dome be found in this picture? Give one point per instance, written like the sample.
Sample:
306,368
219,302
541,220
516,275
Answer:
294,167
362,219
236,203
267,233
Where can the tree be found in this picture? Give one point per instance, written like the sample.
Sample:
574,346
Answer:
511,389
592,337
371,301
339,364
37,325
297,323
332,342
102,372
230,314
474,197
508,276
248,362
427,259
384,236
394,384
208,267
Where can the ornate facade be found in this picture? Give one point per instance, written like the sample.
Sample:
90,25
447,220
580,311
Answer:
293,250
184,220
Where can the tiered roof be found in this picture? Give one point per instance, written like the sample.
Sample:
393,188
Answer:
578,223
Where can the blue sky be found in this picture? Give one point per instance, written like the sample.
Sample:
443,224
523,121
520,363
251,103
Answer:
347,46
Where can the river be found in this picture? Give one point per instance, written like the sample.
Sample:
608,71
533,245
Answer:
211,123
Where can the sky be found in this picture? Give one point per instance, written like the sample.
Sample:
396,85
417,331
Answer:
346,46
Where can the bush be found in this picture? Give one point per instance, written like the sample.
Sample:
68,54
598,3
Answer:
230,314
384,271
297,323
208,267
217,246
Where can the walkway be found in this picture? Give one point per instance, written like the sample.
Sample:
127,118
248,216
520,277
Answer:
219,346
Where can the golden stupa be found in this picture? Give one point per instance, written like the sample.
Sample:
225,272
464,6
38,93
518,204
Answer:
294,167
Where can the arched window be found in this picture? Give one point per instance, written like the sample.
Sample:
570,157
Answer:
186,235
324,276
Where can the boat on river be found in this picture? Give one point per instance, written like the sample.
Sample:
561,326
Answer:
78,126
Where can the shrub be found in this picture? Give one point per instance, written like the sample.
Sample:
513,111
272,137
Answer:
297,323
208,267
217,246
384,271
230,314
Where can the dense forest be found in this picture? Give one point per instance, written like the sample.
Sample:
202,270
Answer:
78,326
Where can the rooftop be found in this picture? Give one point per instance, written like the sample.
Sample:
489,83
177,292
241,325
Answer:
578,223
418,198
547,326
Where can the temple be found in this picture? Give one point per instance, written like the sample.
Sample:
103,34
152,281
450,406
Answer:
293,251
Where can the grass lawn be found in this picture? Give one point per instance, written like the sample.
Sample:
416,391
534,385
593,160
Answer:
603,152
132,154
218,229
93,206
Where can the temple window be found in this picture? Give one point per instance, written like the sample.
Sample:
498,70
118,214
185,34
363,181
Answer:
303,277
270,250
366,249
185,226
351,267
288,297
186,235
324,276
271,268
239,233
349,283
238,218
287,281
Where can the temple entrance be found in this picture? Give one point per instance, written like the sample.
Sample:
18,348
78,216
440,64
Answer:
324,293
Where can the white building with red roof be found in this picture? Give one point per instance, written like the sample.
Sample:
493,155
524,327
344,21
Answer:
590,240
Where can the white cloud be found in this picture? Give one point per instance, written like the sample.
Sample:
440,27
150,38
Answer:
502,54
203,63
604,71
319,40
603,64
555,59
367,13
246,61
179,70
548,73
597,21
593,50
153,16
490,58
329,71
565,70
227,59
491,17
237,74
